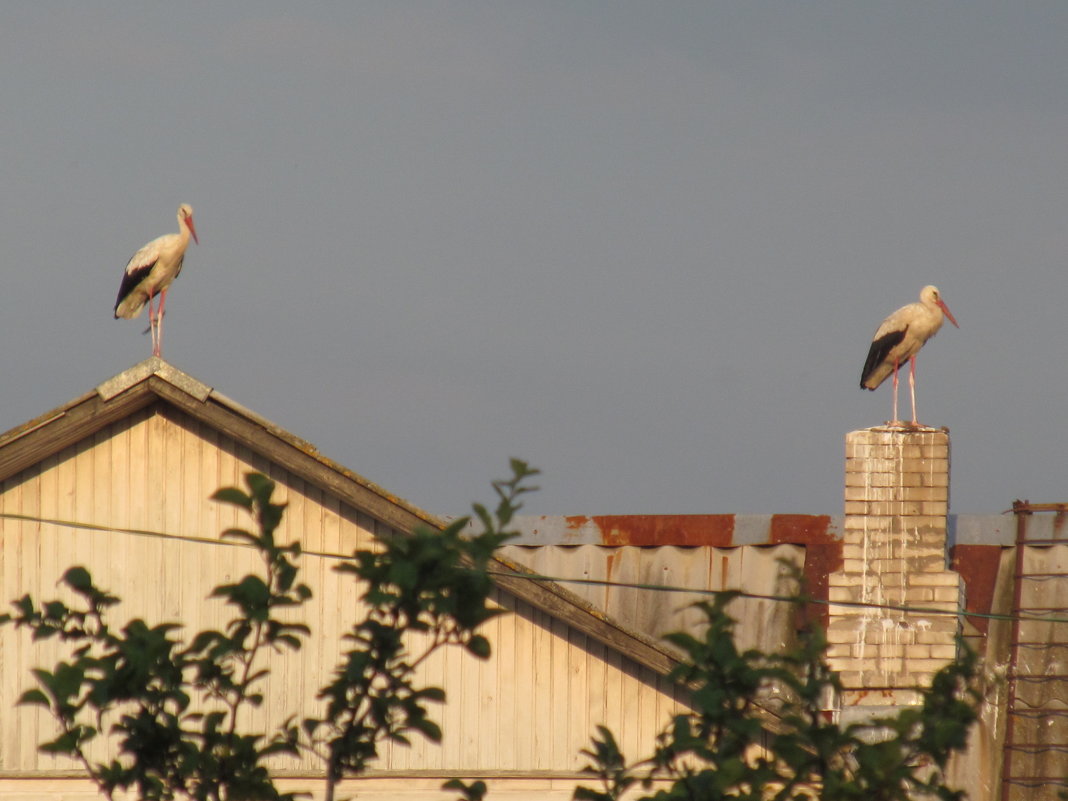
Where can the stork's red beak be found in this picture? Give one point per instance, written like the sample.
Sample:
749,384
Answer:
193,231
941,304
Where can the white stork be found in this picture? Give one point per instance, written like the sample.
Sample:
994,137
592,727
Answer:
900,337
151,271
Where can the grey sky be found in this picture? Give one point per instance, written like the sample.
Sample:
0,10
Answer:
642,245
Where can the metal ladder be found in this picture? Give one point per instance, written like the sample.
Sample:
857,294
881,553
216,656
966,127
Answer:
1035,755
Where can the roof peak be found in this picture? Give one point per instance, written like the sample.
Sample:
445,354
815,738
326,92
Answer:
153,366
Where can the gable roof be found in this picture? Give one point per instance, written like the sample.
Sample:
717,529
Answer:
154,380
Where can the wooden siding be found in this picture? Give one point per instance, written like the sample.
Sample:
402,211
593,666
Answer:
371,788
528,711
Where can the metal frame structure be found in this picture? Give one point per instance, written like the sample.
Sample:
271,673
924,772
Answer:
1035,754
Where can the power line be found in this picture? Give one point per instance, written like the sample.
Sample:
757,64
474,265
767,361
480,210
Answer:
531,576
916,610
143,532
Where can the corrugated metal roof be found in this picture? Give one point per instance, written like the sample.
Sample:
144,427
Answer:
764,624
728,530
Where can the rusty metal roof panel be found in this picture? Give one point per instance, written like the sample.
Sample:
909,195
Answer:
729,530
629,583
716,530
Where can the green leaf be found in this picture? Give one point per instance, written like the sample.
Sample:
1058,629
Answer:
34,697
234,497
261,486
479,646
240,534
436,694
475,791
66,743
428,728
78,578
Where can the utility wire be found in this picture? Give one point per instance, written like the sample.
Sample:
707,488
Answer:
916,610
530,576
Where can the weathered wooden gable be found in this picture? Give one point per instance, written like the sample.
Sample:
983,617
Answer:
130,500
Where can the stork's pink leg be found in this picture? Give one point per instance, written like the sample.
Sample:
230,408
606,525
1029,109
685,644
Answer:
159,322
894,420
912,386
152,325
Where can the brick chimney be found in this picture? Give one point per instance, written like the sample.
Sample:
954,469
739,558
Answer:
894,553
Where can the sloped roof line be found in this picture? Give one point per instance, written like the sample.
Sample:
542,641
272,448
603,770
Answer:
153,365
154,380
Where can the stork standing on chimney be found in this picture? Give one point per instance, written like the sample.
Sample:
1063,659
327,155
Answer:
900,337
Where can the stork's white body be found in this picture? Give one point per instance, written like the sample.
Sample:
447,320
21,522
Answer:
150,272
900,338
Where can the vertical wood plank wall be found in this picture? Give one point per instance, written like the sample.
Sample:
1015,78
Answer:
531,708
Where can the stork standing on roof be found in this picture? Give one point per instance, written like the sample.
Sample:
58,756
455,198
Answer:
150,272
900,337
